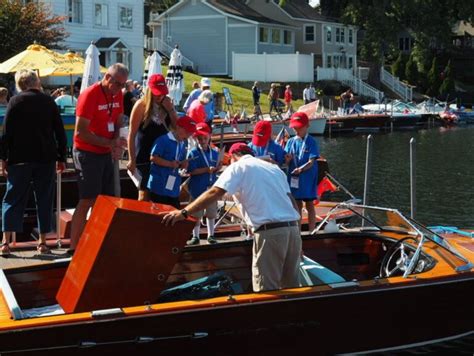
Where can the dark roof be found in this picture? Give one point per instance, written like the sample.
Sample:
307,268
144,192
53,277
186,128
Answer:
106,42
303,10
238,8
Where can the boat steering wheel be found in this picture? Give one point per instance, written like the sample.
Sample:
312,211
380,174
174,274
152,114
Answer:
396,259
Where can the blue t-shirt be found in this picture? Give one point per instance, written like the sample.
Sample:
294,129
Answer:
303,150
167,148
274,150
198,184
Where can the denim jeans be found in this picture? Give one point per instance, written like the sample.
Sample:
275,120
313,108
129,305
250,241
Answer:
42,177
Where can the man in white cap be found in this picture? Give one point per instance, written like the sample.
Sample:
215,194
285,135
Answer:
205,85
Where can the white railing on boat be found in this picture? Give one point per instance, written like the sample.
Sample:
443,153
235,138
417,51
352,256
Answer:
157,44
397,86
345,76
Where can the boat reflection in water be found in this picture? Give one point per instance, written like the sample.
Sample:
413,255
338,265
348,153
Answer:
379,282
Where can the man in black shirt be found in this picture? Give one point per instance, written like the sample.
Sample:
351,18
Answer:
33,147
129,99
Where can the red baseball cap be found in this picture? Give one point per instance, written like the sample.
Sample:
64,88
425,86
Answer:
298,120
187,123
262,133
157,84
240,147
202,129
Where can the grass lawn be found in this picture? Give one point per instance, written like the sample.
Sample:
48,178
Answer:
240,96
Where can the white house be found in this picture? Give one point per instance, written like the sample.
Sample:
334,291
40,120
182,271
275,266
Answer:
116,27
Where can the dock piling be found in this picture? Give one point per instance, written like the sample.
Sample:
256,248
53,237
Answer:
58,209
368,168
412,178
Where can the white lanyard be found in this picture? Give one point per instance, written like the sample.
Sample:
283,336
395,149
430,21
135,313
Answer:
204,156
205,160
301,154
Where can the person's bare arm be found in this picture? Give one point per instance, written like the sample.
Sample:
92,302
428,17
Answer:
164,162
169,107
136,117
205,199
83,132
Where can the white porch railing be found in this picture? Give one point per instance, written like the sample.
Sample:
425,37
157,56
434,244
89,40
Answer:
345,76
155,43
400,88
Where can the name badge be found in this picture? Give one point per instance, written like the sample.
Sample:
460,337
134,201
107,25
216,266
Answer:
111,127
295,182
170,182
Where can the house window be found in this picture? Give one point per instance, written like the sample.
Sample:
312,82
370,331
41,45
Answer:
263,35
328,34
350,36
350,63
125,17
74,10
287,37
329,61
100,15
343,35
276,37
338,35
309,33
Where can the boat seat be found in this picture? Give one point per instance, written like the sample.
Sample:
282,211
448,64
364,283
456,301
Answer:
312,274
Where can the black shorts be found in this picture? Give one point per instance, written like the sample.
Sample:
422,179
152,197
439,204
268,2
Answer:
164,199
96,173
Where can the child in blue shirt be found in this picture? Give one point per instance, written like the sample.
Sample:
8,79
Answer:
263,146
203,165
168,155
302,151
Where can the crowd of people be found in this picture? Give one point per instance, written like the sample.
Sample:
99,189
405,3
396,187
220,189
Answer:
275,105
166,152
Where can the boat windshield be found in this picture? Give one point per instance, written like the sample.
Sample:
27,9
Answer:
370,218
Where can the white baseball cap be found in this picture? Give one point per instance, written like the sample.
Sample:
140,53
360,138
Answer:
205,82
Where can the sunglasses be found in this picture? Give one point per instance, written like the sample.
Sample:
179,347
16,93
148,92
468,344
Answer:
117,82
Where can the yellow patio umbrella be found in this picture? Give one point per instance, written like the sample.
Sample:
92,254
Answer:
35,57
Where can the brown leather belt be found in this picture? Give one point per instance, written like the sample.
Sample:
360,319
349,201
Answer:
276,225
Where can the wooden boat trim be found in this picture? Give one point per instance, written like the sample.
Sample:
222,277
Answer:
417,344
301,293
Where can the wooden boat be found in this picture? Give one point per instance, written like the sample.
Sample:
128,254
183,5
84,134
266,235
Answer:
382,283
357,123
317,125
69,198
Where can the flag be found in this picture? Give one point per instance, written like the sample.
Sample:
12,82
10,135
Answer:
324,186
282,137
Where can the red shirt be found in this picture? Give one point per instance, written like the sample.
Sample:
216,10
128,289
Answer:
102,111
197,111
288,95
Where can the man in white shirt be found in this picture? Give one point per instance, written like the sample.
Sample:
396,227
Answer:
262,190
306,95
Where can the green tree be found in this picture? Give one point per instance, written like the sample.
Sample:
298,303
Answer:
22,25
411,71
447,87
398,67
434,79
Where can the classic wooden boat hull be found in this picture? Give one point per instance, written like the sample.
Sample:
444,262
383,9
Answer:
350,321
351,123
345,307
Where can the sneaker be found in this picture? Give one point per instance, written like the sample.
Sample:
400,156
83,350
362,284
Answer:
211,239
193,241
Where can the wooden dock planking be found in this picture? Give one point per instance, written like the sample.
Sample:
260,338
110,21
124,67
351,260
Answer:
22,257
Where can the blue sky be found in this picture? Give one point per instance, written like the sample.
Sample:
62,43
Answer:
314,2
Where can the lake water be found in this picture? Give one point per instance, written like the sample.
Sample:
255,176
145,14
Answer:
444,171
